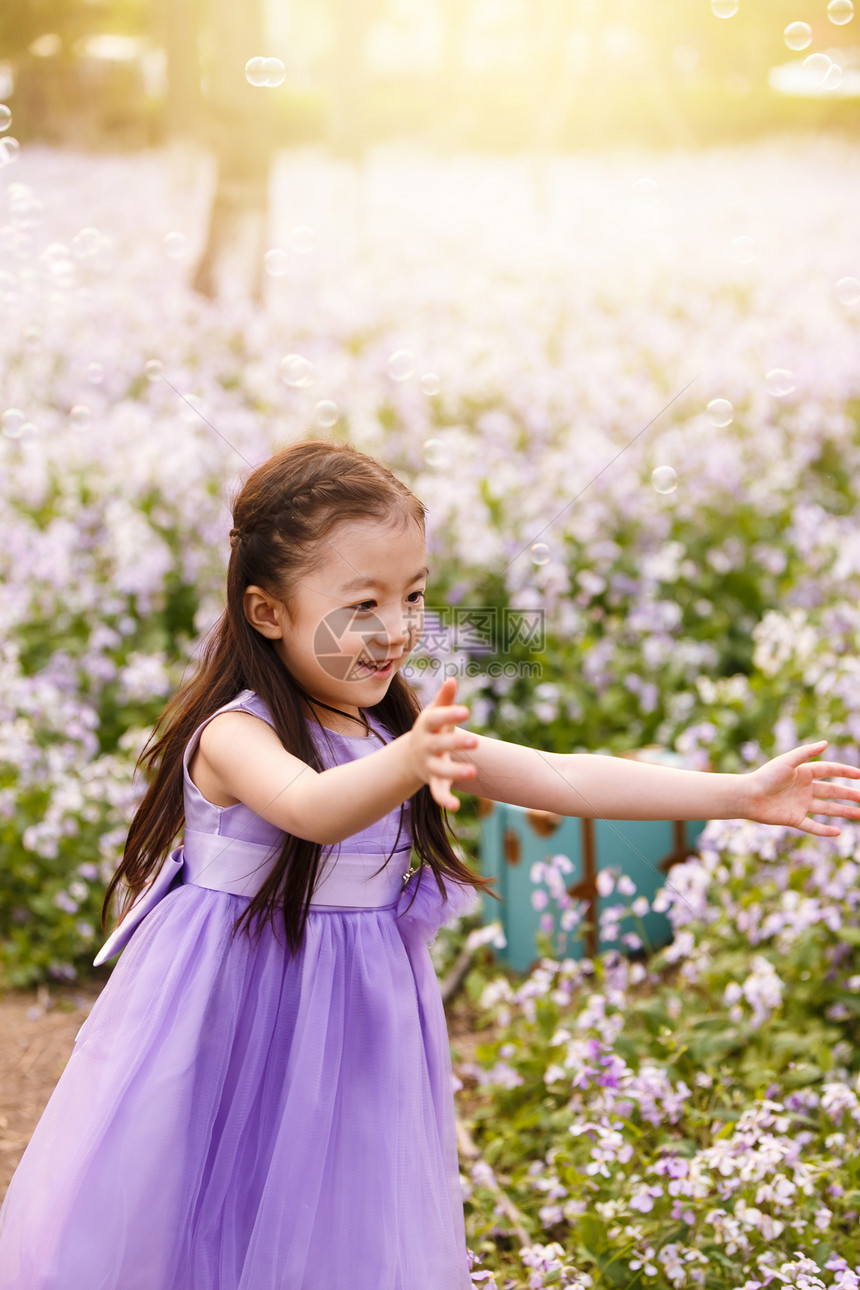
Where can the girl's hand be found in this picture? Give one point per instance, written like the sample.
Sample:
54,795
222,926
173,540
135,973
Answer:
788,789
435,731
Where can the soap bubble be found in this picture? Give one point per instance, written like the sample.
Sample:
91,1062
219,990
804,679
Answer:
85,243
743,249
9,149
539,552
276,72
24,206
255,71
80,416
303,239
721,413
276,262
664,478
153,369
95,373
817,65
840,12
175,245
798,35
5,117
780,382
401,365
17,191
434,452
832,78
296,371
327,413
724,8
57,259
848,291
430,383
261,72
11,423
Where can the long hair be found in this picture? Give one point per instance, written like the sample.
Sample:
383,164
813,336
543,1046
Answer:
285,510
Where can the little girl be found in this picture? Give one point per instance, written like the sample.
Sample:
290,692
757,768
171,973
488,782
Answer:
261,1097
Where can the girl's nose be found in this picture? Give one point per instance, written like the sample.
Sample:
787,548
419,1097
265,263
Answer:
401,631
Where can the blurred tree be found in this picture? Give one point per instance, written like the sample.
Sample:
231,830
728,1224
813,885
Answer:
178,24
62,91
558,72
539,74
23,21
351,21
239,122
450,80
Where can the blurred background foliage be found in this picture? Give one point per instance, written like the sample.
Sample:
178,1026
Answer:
484,74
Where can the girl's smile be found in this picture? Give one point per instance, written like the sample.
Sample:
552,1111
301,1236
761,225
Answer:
382,671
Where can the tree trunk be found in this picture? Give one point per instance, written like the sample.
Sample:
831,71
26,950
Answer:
240,125
178,20
347,118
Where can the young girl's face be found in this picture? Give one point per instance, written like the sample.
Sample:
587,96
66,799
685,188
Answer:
364,605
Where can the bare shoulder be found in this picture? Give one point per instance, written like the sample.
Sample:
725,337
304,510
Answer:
242,759
201,767
245,726
226,738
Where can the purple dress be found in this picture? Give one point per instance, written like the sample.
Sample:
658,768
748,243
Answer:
235,1118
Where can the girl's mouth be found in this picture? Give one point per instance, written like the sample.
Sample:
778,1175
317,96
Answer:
377,671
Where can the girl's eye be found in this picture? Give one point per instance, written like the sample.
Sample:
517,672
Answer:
367,605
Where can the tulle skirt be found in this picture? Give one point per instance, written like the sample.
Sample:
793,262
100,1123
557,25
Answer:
233,1118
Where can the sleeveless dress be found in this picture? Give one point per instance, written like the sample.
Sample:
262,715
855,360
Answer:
236,1118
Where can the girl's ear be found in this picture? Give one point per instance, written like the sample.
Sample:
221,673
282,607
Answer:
263,612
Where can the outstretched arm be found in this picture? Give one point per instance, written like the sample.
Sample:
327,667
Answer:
784,791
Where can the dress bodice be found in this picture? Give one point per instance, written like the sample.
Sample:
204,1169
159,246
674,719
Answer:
232,849
240,822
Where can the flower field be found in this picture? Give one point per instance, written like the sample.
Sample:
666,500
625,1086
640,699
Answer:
628,390
691,1120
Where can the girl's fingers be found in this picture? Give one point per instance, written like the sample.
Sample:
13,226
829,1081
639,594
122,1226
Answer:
459,740
445,741
820,830
836,770
448,688
823,789
446,768
443,797
439,717
844,812
798,756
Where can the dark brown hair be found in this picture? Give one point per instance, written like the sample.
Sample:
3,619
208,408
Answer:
283,512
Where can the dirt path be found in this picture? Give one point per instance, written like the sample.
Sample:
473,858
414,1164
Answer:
37,1033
